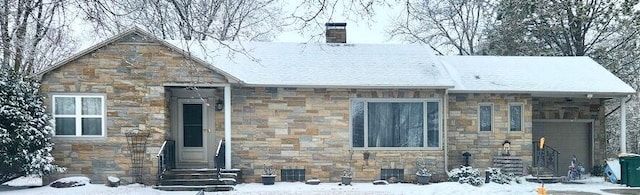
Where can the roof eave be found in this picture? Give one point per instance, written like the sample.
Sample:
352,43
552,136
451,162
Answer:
551,93
350,86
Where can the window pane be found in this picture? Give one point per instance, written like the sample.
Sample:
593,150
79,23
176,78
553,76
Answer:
91,126
357,123
91,106
192,125
395,124
433,124
485,118
65,105
65,126
515,117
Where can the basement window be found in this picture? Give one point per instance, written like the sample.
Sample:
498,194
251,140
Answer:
391,174
292,175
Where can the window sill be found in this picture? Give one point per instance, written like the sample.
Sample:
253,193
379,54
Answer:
79,138
398,149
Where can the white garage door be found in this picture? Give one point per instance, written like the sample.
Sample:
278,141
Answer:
569,138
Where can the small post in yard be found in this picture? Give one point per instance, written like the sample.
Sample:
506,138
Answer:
541,190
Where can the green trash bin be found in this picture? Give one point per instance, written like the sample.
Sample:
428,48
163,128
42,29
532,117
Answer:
630,170
623,169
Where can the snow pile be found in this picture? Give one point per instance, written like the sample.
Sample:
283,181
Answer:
70,182
32,180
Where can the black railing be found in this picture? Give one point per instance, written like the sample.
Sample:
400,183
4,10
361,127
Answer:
166,158
546,157
220,157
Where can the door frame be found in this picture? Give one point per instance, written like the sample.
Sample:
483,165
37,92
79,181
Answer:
591,130
208,116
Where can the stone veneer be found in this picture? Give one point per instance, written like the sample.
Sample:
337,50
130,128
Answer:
464,134
306,128
131,73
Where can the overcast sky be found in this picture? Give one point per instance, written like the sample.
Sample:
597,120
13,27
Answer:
361,31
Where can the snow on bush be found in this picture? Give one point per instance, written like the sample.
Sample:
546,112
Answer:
466,174
498,177
25,129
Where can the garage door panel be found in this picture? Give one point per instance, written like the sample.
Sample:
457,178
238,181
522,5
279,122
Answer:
569,138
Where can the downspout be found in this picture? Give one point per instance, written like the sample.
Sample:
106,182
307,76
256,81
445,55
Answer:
444,129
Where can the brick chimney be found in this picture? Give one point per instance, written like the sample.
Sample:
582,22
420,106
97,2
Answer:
336,32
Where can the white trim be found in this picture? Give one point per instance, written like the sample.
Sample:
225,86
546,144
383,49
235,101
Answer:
425,132
595,94
480,118
521,116
623,125
227,126
281,85
78,116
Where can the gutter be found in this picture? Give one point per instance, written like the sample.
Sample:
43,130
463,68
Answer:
444,142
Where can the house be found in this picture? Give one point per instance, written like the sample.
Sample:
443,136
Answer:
312,110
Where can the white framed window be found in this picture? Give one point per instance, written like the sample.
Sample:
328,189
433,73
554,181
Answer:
485,117
515,117
395,123
79,115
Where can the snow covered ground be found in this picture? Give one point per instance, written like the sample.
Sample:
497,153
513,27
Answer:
593,185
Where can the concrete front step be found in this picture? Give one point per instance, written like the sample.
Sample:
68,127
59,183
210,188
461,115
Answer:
204,173
173,175
545,179
207,188
198,182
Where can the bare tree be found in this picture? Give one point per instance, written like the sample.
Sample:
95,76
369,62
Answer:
451,25
188,19
33,34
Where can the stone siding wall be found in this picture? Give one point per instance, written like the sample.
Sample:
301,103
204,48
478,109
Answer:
464,134
131,76
309,129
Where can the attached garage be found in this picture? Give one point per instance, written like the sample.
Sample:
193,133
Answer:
569,138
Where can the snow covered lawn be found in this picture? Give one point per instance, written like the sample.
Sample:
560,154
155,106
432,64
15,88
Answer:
593,185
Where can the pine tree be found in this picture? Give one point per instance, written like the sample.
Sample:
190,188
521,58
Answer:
25,128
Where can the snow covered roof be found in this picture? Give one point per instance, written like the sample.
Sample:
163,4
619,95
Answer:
532,74
387,66
324,65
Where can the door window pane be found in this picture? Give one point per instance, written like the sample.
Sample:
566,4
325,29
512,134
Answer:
485,117
192,125
65,105
91,126
515,117
91,106
65,126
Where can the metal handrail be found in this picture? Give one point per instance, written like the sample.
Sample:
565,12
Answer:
166,160
220,157
546,157
164,144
